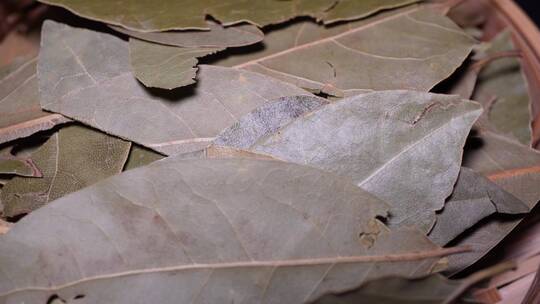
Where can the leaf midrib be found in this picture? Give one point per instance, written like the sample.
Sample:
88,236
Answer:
409,256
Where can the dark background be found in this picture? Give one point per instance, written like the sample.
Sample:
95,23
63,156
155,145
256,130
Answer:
532,8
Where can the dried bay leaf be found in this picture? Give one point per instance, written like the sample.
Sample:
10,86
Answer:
97,92
232,231
170,62
14,165
140,156
164,66
354,9
266,120
512,166
474,198
144,16
218,36
21,113
414,49
432,289
404,147
73,158
502,88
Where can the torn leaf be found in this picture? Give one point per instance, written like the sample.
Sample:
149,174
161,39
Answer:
165,15
163,66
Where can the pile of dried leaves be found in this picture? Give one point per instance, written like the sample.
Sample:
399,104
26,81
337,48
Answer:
308,160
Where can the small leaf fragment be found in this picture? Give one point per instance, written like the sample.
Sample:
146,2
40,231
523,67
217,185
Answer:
163,66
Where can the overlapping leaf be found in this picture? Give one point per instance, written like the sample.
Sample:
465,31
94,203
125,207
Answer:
234,230
145,16
502,88
474,198
14,165
73,158
75,81
218,36
21,114
163,66
404,147
140,156
170,62
433,289
266,120
413,49
354,9
513,167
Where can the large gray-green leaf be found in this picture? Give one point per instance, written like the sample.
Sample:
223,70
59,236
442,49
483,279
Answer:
503,88
414,49
73,158
218,36
164,66
208,231
144,16
432,289
266,120
403,146
513,167
21,114
474,198
76,81
13,165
